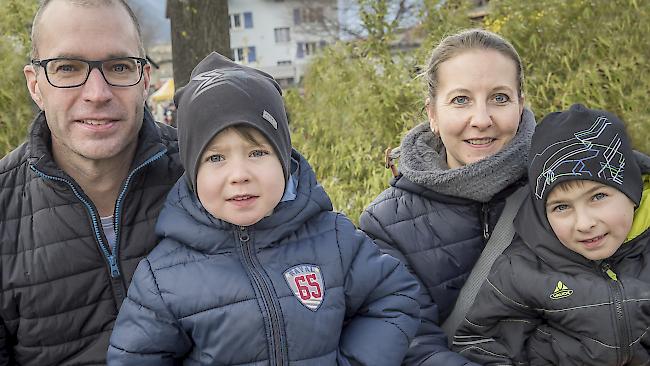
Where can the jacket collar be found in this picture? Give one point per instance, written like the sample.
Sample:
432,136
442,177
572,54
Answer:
404,183
423,161
184,219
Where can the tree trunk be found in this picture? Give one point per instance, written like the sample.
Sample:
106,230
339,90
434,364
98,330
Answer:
198,28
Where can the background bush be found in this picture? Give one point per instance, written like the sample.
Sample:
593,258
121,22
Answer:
16,107
358,98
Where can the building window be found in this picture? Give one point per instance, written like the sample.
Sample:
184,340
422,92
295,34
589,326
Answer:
308,15
244,54
238,54
248,20
237,23
251,54
306,49
282,35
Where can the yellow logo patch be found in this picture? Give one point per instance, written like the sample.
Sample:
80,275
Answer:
561,291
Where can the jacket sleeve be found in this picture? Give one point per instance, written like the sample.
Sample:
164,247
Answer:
495,333
429,347
382,314
146,332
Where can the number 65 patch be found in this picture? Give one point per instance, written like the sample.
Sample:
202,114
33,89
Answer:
306,282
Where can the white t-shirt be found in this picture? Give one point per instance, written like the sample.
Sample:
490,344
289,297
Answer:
109,231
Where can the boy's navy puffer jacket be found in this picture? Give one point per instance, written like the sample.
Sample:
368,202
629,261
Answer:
212,293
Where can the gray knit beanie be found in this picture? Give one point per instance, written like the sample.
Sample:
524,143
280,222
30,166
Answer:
222,94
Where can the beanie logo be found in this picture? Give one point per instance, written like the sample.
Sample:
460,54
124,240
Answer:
269,118
209,80
590,153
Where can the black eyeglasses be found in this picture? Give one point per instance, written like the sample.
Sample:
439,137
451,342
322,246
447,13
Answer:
62,72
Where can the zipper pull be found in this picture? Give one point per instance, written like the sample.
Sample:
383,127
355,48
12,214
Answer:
112,261
486,224
243,234
608,270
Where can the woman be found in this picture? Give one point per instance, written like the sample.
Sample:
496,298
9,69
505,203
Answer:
455,173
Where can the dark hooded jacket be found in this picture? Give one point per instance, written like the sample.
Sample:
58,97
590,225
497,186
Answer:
544,304
60,287
440,235
212,293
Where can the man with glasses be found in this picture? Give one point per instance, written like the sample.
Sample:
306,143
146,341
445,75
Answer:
79,199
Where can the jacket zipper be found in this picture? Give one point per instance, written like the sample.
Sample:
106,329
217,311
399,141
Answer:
617,291
485,214
118,206
276,346
111,257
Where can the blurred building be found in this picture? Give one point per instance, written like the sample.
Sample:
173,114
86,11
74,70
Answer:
280,36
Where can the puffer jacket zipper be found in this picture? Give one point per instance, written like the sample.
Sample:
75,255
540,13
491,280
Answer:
112,258
485,221
618,297
117,214
277,343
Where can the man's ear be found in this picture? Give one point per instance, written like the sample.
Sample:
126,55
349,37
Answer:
146,77
31,77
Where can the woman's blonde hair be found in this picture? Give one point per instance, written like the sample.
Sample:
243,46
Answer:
467,40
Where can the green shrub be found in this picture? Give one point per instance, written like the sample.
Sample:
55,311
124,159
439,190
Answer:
16,107
589,51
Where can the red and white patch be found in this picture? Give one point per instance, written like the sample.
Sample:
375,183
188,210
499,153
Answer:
306,282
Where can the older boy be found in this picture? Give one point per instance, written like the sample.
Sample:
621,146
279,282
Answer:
574,288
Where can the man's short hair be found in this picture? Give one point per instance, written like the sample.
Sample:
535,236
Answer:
87,3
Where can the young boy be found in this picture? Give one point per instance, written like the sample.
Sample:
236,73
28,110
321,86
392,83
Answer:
254,268
574,287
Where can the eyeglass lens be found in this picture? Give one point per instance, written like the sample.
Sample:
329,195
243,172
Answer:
69,72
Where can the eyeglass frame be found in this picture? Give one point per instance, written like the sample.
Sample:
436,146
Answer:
91,66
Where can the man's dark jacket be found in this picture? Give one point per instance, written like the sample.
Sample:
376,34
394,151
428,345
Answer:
439,238
60,286
213,293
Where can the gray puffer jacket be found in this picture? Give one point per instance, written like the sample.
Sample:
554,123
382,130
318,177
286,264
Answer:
300,287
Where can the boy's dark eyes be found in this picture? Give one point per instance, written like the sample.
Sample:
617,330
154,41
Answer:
259,153
215,158
560,208
599,196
